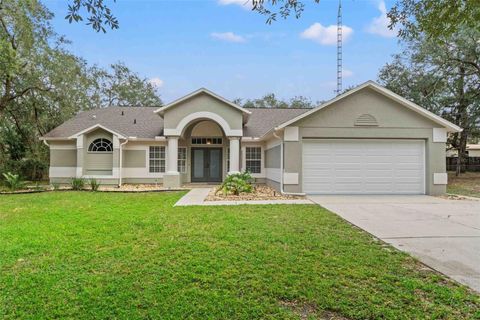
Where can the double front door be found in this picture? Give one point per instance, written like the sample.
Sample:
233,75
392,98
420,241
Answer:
206,164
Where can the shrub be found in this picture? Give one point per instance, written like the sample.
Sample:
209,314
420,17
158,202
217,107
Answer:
78,183
55,186
236,183
94,184
13,181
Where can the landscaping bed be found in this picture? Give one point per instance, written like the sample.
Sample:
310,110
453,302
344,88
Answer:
259,192
136,188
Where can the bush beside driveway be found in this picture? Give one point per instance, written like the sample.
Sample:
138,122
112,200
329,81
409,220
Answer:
90,255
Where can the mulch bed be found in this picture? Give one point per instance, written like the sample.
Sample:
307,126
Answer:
260,192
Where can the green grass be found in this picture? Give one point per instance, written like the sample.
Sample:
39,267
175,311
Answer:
84,255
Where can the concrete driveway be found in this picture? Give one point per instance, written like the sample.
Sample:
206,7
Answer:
443,234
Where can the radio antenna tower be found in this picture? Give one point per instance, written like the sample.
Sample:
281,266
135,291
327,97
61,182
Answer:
339,49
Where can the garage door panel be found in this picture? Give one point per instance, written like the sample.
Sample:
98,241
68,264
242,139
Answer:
363,166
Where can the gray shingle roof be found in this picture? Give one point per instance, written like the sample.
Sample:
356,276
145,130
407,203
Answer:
263,120
149,125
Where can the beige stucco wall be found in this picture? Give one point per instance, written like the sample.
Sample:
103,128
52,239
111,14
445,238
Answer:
202,103
134,158
394,122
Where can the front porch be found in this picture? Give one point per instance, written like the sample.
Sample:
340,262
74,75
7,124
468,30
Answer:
203,153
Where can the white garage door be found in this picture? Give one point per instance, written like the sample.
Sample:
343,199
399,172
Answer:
360,166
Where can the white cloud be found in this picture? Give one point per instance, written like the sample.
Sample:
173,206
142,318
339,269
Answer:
347,73
156,82
325,35
379,25
227,36
247,4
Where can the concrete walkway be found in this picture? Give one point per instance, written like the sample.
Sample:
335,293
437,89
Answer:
443,234
197,196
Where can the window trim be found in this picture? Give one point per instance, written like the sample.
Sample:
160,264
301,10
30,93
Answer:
214,141
100,140
260,159
179,159
227,158
160,159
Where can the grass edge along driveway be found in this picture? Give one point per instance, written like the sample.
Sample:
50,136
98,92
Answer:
90,255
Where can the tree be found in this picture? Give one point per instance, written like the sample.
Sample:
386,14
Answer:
25,32
42,85
434,18
98,14
441,75
119,86
271,101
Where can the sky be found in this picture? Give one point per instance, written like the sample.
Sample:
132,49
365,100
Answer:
183,45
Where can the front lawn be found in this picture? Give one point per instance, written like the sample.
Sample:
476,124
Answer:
466,184
84,255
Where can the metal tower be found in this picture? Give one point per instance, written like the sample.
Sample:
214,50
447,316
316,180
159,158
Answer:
339,49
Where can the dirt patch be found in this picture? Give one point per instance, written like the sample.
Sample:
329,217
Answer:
305,310
467,183
260,192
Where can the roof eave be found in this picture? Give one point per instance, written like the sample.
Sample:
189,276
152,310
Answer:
97,126
161,111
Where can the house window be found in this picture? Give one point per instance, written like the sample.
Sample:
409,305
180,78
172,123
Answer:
228,159
100,145
182,159
207,141
253,159
157,159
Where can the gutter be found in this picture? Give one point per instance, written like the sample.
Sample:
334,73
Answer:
282,169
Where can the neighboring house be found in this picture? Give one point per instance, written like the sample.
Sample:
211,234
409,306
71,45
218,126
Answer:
473,150
472,163
368,140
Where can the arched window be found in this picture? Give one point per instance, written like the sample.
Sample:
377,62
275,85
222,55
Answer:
100,145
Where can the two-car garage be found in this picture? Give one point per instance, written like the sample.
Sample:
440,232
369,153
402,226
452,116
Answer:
363,166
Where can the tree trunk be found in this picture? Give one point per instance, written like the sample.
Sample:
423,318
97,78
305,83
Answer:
462,112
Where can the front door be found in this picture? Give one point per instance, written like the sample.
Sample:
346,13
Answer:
206,164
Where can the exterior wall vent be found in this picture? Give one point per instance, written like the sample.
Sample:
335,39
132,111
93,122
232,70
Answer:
366,120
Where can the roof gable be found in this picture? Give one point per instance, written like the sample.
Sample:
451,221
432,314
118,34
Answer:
387,93
200,91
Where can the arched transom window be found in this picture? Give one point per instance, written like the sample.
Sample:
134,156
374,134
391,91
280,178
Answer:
100,145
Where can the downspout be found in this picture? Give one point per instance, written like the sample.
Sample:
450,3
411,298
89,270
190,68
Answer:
282,169
120,164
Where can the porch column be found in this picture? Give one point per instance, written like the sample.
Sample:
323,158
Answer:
172,155
234,155
171,178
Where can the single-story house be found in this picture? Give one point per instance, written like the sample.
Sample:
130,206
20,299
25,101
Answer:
368,140
473,150
472,163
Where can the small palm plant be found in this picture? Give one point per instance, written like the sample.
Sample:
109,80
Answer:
78,183
236,183
13,181
94,184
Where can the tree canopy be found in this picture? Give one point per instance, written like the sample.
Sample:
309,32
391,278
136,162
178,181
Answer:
270,100
42,84
443,76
